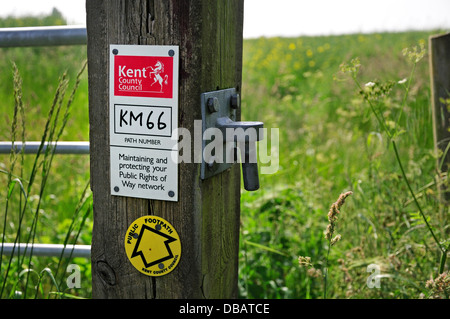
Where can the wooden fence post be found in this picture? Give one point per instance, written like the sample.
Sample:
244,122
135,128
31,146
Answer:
440,90
206,215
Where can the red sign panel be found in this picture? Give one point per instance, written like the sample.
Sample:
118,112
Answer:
143,76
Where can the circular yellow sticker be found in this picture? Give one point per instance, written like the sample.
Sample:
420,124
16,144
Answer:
153,246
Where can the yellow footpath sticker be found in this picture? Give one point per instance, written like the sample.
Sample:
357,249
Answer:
153,246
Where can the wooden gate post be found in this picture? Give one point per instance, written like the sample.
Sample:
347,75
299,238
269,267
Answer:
440,90
206,215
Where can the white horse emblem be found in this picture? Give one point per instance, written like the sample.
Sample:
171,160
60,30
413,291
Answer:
157,78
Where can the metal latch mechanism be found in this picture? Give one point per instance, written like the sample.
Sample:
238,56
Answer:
220,153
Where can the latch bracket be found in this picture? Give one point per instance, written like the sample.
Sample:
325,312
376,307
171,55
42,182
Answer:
215,105
223,136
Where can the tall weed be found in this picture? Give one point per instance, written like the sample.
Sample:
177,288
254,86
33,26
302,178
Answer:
375,94
331,139
22,213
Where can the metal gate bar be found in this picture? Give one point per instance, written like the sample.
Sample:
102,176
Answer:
47,250
33,147
42,36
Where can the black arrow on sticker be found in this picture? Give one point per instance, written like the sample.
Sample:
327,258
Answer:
138,252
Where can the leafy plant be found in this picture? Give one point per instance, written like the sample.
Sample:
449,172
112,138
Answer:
373,92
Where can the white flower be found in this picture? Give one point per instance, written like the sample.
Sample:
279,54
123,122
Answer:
402,81
369,84
335,240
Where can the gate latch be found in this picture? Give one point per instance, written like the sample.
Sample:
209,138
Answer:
223,137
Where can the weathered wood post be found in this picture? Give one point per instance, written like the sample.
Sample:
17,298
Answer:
440,90
206,214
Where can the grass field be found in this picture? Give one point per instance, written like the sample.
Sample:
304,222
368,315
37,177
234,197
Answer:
330,142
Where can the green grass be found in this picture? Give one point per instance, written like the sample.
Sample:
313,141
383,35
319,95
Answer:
43,198
330,142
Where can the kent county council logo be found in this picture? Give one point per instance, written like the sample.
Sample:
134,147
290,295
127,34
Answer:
153,246
143,76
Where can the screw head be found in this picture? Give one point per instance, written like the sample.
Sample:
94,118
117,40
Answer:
213,104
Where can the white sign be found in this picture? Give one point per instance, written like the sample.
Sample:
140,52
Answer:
143,113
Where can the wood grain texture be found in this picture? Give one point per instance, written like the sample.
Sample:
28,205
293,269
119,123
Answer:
209,34
440,89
